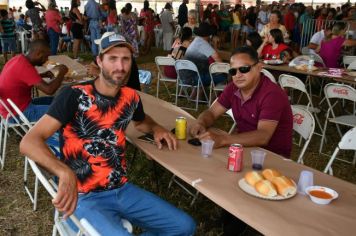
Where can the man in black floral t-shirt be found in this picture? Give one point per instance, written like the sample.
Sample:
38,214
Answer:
92,118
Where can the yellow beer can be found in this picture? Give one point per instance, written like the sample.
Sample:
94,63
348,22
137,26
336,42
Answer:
181,128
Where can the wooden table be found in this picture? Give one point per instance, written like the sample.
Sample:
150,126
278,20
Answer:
295,216
285,68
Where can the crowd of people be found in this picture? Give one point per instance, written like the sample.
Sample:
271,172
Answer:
95,114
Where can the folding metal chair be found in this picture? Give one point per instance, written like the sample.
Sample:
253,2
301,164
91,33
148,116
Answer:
347,60
217,67
269,75
160,62
60,225
304,125
181,86
341,93
292,82
348,142
352,65
16,125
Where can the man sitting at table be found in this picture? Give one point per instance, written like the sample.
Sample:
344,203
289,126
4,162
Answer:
92,118
260,108
19,76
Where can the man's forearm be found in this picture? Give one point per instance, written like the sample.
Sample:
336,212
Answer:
148,125
248,139
206,119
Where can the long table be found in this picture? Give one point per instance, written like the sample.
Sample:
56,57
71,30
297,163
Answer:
285,68
295,216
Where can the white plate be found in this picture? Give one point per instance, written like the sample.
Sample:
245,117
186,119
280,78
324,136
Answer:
273,62
252,191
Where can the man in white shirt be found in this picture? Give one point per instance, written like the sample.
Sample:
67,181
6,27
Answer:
319,36
167,27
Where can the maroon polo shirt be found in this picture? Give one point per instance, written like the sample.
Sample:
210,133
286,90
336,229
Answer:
268,102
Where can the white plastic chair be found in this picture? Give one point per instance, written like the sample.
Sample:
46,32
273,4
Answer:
160,62
183,87
304,125
352,65
347,60
269,75
348,142
59,224
231,115
340,92
318,59
292,82
17,126
217,67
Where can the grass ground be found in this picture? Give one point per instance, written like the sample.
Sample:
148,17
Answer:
18,218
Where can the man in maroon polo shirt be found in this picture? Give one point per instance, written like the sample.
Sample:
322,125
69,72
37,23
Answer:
260,108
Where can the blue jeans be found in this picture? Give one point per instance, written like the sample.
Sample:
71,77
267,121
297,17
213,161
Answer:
104,211
94,28
53,40
37,108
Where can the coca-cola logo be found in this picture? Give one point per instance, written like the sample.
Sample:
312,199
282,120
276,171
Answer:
298,118
341,91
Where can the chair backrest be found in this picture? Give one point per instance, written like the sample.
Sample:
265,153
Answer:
304,125
163,61
51,190
347,60
303,122
14,117
342,91
219,67
269,75
348,141
19,113
290,81
185,65
352,65
318,59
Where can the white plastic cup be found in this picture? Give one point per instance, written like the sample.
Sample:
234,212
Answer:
206,147
306,179
258,157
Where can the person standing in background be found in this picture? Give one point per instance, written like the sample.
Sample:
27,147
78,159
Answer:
53,20
77,26
112,17
128,22
93,11
167,26
148,22
183,13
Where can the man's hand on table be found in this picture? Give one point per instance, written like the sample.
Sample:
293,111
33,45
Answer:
218,138
62,70
196,129
67,194
161,134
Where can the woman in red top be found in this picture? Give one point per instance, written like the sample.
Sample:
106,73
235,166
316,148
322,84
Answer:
53,20
273,47
112,17
147,15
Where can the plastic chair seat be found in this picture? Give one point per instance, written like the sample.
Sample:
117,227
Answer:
348,120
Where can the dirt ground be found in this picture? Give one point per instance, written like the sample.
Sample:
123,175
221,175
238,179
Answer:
18,218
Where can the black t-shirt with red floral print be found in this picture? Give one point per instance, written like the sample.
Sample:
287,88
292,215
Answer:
92,138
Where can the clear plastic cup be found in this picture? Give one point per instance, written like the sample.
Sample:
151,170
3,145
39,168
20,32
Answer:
306,179
258,157
206,147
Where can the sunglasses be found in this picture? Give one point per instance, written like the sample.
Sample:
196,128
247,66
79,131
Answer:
241,69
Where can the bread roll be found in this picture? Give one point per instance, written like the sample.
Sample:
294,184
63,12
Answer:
269,174
252,177
285,186
266,188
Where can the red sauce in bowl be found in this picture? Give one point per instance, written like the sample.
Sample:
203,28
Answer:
320,194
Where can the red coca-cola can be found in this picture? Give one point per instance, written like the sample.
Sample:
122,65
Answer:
235,161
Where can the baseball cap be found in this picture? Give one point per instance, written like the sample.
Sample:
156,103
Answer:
110,40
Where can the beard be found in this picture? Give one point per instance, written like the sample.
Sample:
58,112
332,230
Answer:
117,83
